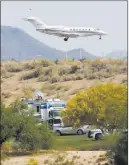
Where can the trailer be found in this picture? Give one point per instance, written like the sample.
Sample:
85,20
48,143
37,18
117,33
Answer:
48,110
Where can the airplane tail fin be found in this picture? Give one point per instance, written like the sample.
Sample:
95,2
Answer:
36,22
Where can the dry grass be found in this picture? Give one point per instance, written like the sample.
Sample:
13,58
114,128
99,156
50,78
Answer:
58,158
61,78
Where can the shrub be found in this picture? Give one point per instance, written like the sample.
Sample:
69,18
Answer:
124,81
56,61
120,151
26,133
67,78
32,162
98,64
47,86
33,74
79,77
103,74
54,79
28,92
14,67
4,156
74,69
91,75
29,65
48,72
6,148
62,160
45,63
43,78
63,71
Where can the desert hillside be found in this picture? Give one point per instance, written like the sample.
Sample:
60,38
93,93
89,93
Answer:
61,79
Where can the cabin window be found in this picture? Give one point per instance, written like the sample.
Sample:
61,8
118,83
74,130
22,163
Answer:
38,108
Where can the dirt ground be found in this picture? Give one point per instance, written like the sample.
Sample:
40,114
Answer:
84,158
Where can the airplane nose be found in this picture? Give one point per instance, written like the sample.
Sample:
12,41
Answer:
104,33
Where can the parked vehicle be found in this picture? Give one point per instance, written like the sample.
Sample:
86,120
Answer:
95,134
65,129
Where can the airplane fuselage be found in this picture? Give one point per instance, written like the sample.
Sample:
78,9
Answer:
65,32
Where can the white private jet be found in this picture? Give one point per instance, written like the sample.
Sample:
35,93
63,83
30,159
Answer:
65,32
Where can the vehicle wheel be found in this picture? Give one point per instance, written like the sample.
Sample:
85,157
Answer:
80,132
58,133
98,136
65,39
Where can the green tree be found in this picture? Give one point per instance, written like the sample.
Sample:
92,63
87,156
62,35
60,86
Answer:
105,104
119,151
20,124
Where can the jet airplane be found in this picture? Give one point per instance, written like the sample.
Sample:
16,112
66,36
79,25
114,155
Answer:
65,32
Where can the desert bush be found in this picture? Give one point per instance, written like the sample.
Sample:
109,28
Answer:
48,72
45,63
118,154
32,162
6,148
4,157
121,151
14,67
63,71
91,75
65,88
74,69
98,64
115,61
22,126
124,81
29,65
56,61
103,74
123,69
61,159
28,92
32,74
67,78
54,79
48,88
79,77
43,78
109,68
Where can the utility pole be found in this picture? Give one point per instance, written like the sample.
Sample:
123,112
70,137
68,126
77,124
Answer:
66,56
80,54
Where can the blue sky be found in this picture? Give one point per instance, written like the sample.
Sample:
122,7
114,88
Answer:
109,16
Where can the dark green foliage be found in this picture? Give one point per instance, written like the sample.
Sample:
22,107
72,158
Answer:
121,151
20,124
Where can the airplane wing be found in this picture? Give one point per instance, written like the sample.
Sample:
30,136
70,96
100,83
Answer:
87,35
64,34
58,33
